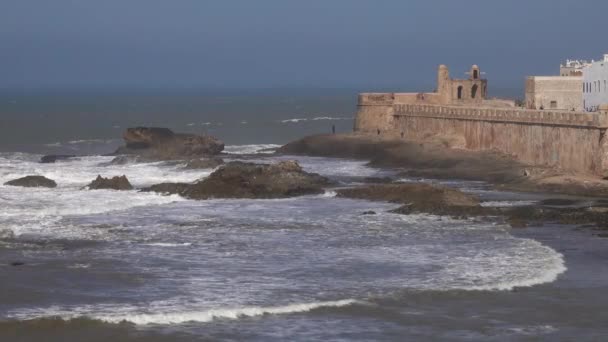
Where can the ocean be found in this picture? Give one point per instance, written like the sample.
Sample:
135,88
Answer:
133,266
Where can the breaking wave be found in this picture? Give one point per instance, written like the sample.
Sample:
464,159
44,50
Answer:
251,149
329,118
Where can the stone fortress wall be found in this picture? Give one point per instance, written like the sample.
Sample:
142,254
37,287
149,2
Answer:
570,140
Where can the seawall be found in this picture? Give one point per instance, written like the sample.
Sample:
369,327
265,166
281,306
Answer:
569,140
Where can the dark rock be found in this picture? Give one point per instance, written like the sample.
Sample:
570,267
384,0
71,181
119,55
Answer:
559,202
115,183
17,263
51,158
515,222
210,163
124,160
248,180
162,144
378,180
168,188
33,182
419,198
6,234
371,212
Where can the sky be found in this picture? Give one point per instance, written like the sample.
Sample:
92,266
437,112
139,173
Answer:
283,43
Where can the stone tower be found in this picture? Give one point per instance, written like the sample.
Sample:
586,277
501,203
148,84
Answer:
444,86
475,73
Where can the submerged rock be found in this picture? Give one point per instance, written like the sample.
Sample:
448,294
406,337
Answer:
51,158
114,183
418,198
33,182
162,144
248,180
210,163
6,234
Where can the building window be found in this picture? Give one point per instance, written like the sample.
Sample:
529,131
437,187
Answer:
553,105
460,92
474,91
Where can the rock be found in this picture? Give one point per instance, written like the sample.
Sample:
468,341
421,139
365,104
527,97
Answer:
418,198
368,213
17,263
114,183
6,234
33,182
210,163
559,202
517,223
248,180
378,180
163,144
168,188
51,158
124,160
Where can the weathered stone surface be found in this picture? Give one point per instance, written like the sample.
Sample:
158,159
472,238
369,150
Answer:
210,163
162,144
114,183
168,188
248,180
51,158
418,198
33,182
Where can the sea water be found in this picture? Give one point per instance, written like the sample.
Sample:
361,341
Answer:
145,266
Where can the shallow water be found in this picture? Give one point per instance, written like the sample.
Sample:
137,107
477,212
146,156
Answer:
141,266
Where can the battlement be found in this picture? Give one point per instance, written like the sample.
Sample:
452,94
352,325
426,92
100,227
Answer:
511,115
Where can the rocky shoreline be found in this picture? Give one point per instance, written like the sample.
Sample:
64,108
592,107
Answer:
431,160
238,179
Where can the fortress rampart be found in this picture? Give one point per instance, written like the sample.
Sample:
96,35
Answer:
569,140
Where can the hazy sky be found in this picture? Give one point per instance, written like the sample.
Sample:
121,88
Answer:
304,43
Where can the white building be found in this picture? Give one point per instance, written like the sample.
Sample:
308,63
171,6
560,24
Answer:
573,67
595,85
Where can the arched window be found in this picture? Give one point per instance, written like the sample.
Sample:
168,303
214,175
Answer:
460,92
474,91
475,74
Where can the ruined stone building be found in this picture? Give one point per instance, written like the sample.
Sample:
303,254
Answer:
455,92
595,85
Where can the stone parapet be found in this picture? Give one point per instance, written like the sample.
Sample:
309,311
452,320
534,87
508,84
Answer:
511,115
376,99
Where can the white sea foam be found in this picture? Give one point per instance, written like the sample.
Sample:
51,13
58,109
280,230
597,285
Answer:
250,149
141,317
296,120
166,244
329,193
210,315
506,203
330,118
319,118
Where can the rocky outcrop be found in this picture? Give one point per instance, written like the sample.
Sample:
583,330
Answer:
248,180
162,144
114,183
210,163
168,188
33,182
415,198
51,158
